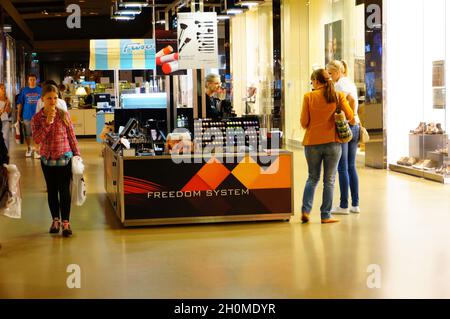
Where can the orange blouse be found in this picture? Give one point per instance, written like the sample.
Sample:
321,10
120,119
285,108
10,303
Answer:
318,118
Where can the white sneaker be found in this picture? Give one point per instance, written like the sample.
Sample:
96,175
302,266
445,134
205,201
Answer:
355,209
37,155
340,211
29,152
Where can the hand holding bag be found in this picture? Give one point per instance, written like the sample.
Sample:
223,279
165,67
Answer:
342,127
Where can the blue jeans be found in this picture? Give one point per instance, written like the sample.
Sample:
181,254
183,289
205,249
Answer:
347,170
329,154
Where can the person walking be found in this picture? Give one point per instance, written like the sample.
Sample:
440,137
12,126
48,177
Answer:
26,108
321,142
53,131
5,111
348,175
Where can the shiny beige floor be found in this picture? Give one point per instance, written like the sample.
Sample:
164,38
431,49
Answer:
404,228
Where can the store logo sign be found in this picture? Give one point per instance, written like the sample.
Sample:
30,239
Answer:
74,20
137,47
374,16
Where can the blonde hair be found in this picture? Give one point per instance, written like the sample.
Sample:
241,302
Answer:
340,66
212,78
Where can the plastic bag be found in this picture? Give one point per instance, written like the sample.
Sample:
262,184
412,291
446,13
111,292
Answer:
78,185
17,132
77,165
78,190
13,207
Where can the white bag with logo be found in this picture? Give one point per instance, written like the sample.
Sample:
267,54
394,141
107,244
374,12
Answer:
78,185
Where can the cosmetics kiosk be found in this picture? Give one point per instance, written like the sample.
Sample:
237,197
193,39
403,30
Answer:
214,177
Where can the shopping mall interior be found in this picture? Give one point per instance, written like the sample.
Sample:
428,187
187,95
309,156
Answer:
182,204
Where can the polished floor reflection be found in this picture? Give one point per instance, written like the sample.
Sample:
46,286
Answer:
398,247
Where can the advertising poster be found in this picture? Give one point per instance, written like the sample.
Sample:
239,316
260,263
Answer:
333,41
197,40
167,62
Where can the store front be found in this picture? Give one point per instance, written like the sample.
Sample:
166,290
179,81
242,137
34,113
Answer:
315,32
415,85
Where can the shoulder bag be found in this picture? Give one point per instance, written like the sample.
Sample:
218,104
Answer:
342,127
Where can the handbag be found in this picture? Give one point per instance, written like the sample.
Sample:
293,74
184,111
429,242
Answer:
364,136
342,127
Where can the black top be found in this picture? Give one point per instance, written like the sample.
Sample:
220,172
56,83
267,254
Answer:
212,107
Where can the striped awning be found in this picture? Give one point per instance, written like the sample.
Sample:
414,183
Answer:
130,54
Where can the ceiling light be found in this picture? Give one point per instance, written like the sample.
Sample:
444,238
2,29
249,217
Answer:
118,17
128,11
234,11
249,3
222,17
131,4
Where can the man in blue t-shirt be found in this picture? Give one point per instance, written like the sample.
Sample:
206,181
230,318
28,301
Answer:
26,108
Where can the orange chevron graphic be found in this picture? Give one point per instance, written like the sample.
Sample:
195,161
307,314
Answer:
209,177
252,176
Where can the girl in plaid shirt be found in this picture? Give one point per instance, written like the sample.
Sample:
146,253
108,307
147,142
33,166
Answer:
52,129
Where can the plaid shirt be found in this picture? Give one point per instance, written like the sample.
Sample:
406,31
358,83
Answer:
55,139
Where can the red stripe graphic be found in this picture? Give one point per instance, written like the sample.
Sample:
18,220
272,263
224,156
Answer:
134,185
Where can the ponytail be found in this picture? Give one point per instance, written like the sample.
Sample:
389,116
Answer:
344,68
323,77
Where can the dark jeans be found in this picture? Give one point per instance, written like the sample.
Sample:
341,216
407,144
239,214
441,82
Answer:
58,180
329,154
347,170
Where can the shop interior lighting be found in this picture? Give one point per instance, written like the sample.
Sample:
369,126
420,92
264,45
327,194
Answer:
234,11
250,3
125,11
222,17
133,4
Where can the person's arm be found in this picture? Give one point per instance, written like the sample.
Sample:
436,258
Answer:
40,127
71,136
345,106
7,106
304,119
351,102
19,106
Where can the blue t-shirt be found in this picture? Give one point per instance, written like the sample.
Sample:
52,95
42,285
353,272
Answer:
28,98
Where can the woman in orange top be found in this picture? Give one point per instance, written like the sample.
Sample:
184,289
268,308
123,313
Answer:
321,141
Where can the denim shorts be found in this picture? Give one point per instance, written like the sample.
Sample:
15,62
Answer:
27,127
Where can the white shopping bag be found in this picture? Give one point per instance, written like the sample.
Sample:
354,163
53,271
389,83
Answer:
78,185
13,207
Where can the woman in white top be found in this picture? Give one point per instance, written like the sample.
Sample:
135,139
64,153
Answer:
348,176
5,110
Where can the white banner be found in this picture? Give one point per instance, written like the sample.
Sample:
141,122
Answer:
197,40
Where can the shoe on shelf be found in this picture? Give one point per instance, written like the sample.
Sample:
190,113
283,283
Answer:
419,165
55,226
439,129
431,129
330,221
403,160
411,161
420,129
66,229
441,170
28,152
305,218
429,165
340,211
355,209
37,155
